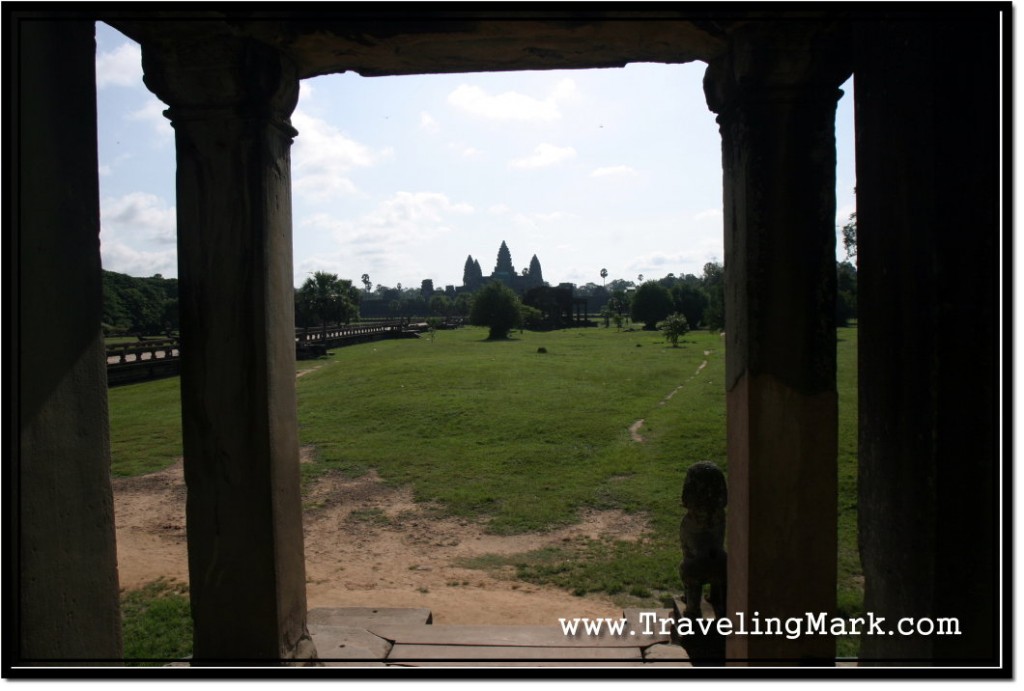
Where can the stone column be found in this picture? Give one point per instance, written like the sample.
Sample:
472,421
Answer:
230,104
928,165
63,532
775,93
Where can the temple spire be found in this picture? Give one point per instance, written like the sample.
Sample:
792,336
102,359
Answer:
504,265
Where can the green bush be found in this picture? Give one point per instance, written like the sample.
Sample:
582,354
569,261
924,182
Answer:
651,304
674,327
498,308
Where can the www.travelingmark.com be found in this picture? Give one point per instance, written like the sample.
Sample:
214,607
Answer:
810,624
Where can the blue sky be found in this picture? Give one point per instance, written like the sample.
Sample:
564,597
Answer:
403,177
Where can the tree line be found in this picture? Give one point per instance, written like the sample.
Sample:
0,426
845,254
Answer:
139,306
149,306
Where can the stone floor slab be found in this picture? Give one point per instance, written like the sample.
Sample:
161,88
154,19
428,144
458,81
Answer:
491,653
518,664
530,636
347,643
666,652
640,624
360,616
679,606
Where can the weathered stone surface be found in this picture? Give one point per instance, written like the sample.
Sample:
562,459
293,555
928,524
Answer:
63,534
364,616
530,636
520,663
639,625
452,40
667,653
230,103
775,93
927,251
403,652
347,643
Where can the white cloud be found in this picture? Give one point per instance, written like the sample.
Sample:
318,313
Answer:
512,105
428,123
402,218
415,208
708,214
323,157
657,265
549,217
613,171
544,155
132,222
119,257
119,67
391,240
843,214
139,215
153,113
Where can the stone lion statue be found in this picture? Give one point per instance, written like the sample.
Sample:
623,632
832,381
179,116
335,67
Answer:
701,536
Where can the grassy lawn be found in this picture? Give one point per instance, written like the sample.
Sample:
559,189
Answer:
145,426
157,623
522,440
532,437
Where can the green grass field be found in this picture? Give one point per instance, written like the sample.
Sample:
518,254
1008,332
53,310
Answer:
524,440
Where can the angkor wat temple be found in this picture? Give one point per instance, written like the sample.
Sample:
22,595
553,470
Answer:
504,271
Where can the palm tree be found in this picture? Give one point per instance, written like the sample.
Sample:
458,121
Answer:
604,275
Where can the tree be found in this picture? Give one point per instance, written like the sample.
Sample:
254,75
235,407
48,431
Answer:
326,298
366,282
619,285
619,303
532,317
496,307
143,306
674,327
690,301
713,284
846,293
651,304
440,305
604,275
463,304
850,237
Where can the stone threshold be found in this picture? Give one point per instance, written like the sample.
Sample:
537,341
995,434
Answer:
374,637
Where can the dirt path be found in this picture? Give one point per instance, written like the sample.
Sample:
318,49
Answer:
634,429
367,544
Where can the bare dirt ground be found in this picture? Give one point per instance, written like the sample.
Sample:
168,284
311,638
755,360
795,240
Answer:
368,544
